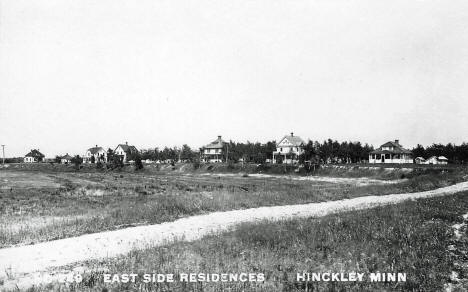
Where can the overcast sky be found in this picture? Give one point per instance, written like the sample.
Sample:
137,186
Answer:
74,74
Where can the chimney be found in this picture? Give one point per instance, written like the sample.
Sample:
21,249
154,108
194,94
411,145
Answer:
219,137
397,142
96,145
126,143
292,134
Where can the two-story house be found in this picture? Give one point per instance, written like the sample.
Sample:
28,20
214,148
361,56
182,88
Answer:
125,152
391,152
95,154
215,151
288,149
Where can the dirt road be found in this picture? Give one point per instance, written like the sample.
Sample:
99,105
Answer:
22,260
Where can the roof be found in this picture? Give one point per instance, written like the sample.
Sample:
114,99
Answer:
397,149
34,153
95,150
438,158
216,144
127,148
294,140
66,156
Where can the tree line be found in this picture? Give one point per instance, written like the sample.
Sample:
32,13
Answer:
454,153
327,151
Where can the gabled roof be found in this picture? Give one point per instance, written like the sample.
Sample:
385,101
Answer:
438,158
294,140
216,144
35,153
95,150
127,148
66,156
397,149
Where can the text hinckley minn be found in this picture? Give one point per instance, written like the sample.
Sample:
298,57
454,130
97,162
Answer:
350,277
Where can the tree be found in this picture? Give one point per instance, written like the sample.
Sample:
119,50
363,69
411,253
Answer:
77,161
138,163
187,154
116,162
110,154
419,151
93,159
58,159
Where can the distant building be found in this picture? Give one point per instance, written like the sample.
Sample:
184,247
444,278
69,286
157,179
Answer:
215,151
33,156
437,160
391,152
66,159
288,149
98,153
125,152
419,160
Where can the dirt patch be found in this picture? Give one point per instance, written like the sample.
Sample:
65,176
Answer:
357,181
24,180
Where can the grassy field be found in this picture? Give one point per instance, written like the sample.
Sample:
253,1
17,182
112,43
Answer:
411,238
38,206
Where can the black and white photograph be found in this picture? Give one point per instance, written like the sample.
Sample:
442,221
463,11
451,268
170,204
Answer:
251,145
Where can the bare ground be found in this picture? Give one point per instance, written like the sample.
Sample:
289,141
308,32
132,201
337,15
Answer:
21,262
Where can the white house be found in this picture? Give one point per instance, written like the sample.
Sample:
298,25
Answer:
66,159
125,151
289,148
437,160
33,156
419,160
215,151
391,152
98,153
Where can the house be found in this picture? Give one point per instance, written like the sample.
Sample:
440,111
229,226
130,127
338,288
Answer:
391,152
215,151
288,149
419,160
66,159
95,154
437,160
125,152
33,156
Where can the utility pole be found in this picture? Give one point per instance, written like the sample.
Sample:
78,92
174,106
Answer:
3,150
227,152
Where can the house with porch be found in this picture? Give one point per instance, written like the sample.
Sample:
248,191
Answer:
95,154
288,149
125,152
391,152
215,151
33,156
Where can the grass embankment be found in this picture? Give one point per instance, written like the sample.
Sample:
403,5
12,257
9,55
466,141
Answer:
410,238
97,202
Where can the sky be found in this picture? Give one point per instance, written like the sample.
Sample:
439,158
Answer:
155,73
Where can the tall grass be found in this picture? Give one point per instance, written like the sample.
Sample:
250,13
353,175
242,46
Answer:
94,202
411,238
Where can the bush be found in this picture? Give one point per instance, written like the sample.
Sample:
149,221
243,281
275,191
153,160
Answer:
138,163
